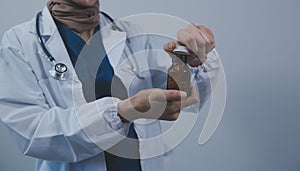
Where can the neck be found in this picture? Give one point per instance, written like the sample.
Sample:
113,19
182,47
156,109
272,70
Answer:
76,17
86,35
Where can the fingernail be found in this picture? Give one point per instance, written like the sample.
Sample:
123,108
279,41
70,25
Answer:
169,45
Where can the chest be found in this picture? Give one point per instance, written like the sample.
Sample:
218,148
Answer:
132,69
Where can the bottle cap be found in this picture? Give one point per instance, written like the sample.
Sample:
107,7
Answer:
181,51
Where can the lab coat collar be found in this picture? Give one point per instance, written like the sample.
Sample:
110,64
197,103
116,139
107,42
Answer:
113,40
48,27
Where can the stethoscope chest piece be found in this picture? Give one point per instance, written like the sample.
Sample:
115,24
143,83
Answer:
59,71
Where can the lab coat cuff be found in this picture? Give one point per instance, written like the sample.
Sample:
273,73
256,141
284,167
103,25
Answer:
196,70
112,118
212,63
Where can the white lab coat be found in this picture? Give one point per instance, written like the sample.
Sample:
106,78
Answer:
50,119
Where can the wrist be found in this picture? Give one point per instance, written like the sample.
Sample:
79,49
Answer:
195,61
126,111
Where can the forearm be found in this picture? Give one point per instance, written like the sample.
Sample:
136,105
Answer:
66,135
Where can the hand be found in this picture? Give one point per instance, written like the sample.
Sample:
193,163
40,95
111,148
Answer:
198,39
156,104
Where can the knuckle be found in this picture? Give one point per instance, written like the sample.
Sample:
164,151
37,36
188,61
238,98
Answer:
191,26
209,31
189,38
184,35
201,27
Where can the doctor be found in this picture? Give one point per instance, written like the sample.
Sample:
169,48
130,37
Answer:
57,121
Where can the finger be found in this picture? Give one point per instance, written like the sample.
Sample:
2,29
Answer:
202,31
197,38
194,61
173,107
170,46
192,99
170,117
168,95
211,39
165,112
200,41
208,36
174,116
186,38
156,110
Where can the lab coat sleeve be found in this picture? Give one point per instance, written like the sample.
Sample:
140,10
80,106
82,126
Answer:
55,133
205,76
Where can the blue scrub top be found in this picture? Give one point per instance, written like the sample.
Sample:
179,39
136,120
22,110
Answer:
103,81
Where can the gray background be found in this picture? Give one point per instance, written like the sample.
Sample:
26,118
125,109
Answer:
258,42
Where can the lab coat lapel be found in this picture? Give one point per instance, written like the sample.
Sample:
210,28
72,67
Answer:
72,87
114,43
54,42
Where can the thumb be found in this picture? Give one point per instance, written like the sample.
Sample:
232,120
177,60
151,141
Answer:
167,95
169,47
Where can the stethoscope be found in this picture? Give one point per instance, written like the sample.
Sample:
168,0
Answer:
59,71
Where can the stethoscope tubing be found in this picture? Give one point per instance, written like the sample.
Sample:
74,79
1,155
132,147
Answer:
56,74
